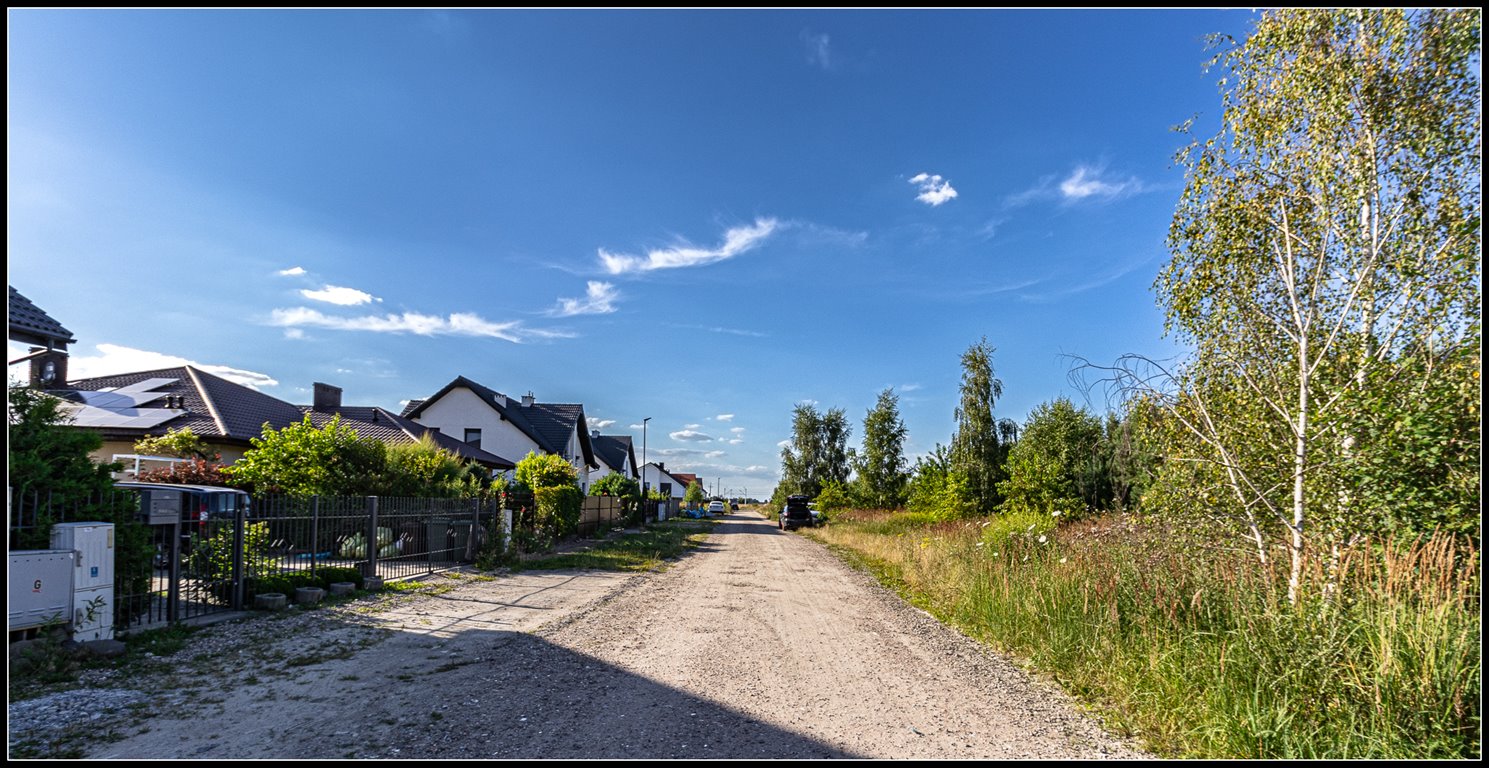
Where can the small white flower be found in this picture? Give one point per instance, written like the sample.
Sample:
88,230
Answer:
1042,538
1062,559
979,543
1056,513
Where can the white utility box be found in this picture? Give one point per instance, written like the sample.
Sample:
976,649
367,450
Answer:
93,577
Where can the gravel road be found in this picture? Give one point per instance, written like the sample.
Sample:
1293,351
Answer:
759,644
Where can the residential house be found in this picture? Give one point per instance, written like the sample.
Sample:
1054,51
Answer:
476,414
687,478
126,407
615,454
654,476
389,427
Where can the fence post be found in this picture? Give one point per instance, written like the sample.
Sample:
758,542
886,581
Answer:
173,591
429,539
369,568
506,521
315,530
238,536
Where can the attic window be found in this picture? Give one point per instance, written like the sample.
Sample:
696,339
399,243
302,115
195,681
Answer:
473,437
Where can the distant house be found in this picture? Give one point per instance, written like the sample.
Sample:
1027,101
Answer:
126,407
656,477
478,415
687,478
46,338
615,454
388,427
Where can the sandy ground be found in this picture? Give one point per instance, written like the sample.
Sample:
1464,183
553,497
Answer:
759,644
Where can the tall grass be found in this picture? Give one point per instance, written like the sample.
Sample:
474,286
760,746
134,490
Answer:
1197,650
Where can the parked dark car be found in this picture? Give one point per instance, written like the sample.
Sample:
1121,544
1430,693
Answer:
796,514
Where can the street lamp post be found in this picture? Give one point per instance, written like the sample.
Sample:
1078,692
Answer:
644,497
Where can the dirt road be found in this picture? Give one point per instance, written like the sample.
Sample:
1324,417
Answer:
758,645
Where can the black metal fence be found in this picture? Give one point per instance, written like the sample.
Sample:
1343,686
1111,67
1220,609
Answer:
209,563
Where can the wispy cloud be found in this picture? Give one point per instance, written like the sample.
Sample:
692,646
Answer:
784,444
599,299
737,430
818,48
910,387
724,417
601,423
291,272
1086,182
720,329
734,441
114,359
294,333
456,324
691,426
690,435
340,296
737,240
934,190
1097,281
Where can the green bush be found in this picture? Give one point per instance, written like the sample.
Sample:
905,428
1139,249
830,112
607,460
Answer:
558,511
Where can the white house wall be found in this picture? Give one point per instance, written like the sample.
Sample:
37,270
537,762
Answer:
461,409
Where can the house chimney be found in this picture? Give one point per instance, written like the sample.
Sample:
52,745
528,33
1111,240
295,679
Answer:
327,397
593,433
49,370
527,400
501,400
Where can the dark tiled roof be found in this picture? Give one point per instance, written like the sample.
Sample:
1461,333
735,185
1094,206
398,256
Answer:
412,404
383,425
215,407
548,424
614,450
30,325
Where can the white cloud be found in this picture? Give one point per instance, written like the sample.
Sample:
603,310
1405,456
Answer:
690,435
601,423
724,417
819,49
114,359
294,333
599,299
457,324
736,241
691,426
1086,182
291,272
737,430
691,452
934,190
784,444
735,441
910,387
340,296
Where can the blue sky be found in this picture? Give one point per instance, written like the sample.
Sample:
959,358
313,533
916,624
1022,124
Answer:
701,217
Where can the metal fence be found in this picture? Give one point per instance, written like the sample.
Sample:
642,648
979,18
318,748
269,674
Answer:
209,564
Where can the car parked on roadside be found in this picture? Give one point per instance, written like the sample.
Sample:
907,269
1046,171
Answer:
717,508
796,514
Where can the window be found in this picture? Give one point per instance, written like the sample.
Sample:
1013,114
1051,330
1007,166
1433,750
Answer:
473,437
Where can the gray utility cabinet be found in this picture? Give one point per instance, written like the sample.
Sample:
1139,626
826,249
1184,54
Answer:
40,587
